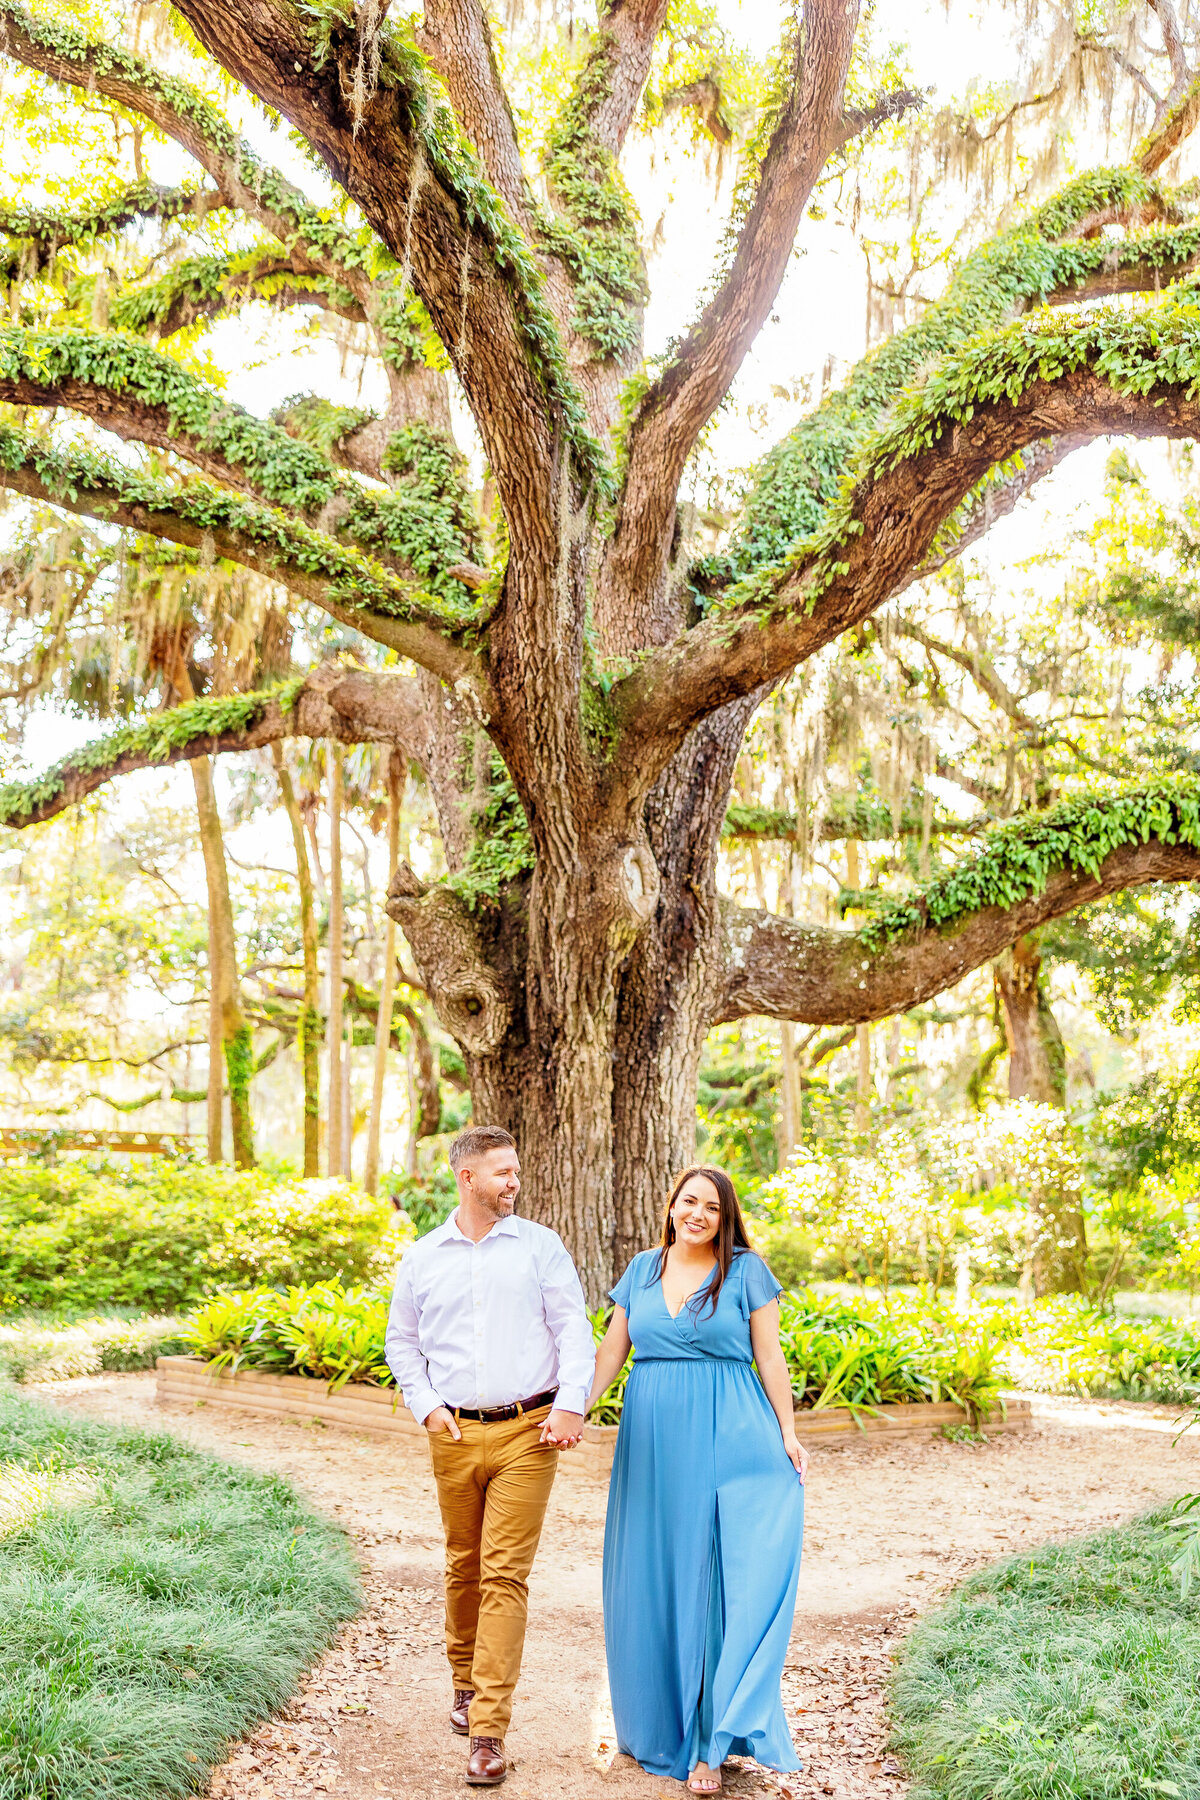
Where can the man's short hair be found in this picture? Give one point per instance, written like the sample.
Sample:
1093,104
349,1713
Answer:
477,1140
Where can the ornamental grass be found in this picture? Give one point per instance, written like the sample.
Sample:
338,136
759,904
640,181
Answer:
156,1602
1068,1673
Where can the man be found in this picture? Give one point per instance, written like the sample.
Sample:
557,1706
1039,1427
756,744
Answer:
489,1339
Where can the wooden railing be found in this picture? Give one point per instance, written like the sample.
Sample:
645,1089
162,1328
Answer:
33,1140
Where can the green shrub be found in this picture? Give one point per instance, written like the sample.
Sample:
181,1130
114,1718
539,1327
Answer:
157,1603
1066,1673
324,1331
427,1200
788,1251
86,1236
866,1355
1065,1347
30,1351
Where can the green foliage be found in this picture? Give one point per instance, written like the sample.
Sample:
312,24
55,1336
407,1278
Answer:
607,1410
80,1235
324,1331
596,236
155,738
37,1350
446,153
1069,1672
1065,1347
502,850
157,1604
801,480
865,1355
425,522
1150,1128
352,578
1018,855
426,1201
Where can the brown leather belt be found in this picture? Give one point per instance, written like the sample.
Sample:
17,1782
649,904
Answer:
494,1415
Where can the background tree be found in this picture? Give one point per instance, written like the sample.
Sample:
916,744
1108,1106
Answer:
584,680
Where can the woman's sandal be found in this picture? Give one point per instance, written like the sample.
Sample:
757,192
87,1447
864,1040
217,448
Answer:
704,1784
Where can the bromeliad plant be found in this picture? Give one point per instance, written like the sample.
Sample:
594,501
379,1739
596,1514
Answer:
326,1331
864,1356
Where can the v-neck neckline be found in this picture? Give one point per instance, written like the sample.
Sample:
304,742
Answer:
700,1285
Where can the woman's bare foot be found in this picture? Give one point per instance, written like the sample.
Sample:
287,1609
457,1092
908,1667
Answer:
704,1780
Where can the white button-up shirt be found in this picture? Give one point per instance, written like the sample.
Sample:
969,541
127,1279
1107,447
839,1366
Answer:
485,1324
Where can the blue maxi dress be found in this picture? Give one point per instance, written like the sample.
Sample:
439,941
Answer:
703,1535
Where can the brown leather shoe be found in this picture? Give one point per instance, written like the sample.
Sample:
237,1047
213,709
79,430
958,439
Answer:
486,1766
459,1720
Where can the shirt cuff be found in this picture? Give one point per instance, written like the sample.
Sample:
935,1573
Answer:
570,1399
421,1403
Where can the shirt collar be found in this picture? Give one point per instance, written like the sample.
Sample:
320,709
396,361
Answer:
502,1228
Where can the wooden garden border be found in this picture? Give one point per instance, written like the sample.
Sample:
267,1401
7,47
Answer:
360,1407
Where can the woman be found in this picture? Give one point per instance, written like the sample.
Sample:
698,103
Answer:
706,1506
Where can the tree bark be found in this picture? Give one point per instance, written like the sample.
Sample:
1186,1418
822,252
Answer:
310,1021
235,1032
336,930
1036,1057
1037,1071
387,985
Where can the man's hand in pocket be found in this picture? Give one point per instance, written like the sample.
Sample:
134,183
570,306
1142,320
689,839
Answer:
442,1419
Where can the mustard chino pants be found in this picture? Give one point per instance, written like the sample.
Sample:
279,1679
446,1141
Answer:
493,1485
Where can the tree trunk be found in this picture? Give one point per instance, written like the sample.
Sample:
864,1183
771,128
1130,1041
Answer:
235,1033
1037,1071
336,1097
310,1020
387,985
1036,1057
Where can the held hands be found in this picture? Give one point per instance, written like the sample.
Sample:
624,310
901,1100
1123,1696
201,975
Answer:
562,1430
442,1419
797,1453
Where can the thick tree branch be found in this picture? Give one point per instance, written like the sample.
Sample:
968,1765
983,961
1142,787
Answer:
211,287
819,976
66,54
417,182
631,27
683,399
355,706
344,582
146,397
41,232
994,500
915,474
457,39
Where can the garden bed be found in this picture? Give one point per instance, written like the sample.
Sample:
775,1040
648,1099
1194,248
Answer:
361,1406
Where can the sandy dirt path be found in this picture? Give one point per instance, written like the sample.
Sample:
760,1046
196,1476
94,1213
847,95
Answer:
889,1529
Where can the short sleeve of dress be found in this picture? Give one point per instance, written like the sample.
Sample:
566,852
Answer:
758,1284
623,1291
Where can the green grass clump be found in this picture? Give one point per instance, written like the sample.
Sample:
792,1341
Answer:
1067,1674
81,1236
156,1604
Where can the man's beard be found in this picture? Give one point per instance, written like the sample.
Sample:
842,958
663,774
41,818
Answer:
501,1206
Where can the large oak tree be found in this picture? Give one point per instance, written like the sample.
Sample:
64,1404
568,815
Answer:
582,684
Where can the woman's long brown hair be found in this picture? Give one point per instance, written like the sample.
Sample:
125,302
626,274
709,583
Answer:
731,1233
